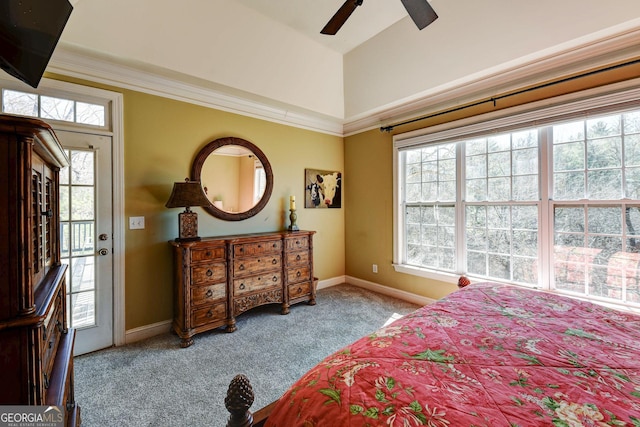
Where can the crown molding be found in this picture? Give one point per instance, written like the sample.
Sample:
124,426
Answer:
101,69
599,49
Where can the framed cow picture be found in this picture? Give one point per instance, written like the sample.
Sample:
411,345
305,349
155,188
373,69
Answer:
323,189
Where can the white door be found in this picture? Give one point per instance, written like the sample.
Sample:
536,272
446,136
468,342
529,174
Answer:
86,238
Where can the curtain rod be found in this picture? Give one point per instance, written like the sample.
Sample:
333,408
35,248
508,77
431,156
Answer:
519,92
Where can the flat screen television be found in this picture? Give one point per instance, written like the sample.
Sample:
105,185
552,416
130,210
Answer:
29,32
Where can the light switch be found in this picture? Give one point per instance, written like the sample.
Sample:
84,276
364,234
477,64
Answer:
136,222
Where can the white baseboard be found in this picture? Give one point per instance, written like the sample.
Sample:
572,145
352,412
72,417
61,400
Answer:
331,282
385,290
148,331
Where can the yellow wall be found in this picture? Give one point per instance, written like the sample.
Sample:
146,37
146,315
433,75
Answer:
161,139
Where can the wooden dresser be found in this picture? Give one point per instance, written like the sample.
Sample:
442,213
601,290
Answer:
36,347
219,278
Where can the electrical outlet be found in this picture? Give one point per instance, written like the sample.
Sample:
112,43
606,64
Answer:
136,223
375,268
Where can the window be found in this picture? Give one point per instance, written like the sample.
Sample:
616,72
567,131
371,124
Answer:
53,108
532,199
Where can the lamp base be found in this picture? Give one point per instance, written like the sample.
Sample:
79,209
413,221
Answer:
187,226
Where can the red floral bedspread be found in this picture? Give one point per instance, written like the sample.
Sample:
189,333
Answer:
487,355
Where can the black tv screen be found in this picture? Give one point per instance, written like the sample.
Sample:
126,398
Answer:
29,32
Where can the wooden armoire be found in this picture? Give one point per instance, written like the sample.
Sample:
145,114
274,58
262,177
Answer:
36,346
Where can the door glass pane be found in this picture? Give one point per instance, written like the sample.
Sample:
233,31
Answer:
77,235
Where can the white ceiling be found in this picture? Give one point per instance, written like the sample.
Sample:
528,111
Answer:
267,58
309,17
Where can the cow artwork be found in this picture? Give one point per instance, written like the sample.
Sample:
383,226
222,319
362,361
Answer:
323,189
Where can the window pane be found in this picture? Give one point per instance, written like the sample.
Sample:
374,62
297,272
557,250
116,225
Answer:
57,109
632,150
525,162
499,164
568,157
82,167
568,132
603,126
631,122
476,167
90,114
605,184
83,205
605,220
568,186
604,153
525,188
25,104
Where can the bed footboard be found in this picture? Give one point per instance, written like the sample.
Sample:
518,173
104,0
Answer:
238,402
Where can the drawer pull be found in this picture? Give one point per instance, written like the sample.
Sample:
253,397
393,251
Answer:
208,253
298,242
241,286
275,245
259,246
209,293
241,267
209,313
274,262
44,333
275,278
51,344
298,258
209,273
299,290
298,273
59,326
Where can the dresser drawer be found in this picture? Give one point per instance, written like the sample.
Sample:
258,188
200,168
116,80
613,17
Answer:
295,275
299,290
257,283
296,243
247,266
257,248
297,258
207,294
202,316
207,254
208,273
51,332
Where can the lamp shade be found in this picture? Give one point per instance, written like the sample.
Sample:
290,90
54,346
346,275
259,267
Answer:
186,194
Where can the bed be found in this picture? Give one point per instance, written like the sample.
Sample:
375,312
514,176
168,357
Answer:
486,355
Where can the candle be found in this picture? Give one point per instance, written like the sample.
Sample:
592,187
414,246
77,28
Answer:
292,203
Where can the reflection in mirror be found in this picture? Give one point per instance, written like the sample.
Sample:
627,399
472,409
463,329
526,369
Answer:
233,178
236,177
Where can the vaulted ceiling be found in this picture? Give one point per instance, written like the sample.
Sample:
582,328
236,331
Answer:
379,66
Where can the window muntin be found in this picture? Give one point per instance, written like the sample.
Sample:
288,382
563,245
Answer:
585,173
53,108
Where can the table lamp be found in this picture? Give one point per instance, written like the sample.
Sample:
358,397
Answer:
184,195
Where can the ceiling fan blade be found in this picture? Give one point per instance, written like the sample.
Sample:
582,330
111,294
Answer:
421,12
340,17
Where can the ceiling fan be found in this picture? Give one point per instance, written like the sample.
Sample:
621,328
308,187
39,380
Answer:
419,10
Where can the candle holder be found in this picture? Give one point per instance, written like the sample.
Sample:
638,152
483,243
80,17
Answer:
293,218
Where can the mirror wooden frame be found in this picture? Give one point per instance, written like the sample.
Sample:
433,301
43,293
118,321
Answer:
196,172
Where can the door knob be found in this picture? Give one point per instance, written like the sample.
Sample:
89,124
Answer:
103,236
103,251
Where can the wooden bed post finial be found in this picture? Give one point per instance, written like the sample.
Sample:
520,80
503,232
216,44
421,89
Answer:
238,401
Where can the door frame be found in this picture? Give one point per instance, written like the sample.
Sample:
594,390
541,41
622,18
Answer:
115,113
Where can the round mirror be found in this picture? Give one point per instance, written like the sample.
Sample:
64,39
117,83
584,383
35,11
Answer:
236,177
